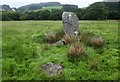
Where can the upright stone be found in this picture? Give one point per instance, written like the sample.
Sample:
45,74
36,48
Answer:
70,23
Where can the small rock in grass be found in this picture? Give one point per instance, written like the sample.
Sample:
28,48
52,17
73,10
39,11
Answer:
59,43
52,69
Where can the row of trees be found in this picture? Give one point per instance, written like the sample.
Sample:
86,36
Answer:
55,14
96,11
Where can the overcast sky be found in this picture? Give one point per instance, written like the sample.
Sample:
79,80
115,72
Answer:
18,3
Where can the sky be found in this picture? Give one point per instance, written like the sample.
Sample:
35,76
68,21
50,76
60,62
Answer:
18,3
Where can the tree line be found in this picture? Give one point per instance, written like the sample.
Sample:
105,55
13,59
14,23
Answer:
96,11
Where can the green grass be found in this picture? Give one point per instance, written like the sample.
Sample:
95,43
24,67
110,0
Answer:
23,51
50,8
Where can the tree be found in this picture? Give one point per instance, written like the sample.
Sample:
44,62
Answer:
113,15
69,7
56,14
14,16
0,15
10,15
96,11
30,15
80,12
44,15
5,16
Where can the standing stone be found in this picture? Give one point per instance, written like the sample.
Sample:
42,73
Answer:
70,23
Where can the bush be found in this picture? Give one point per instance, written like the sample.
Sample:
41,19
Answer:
75,50
66,39
98,42
50,37
7,15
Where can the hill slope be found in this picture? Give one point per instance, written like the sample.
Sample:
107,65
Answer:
38,6
5,8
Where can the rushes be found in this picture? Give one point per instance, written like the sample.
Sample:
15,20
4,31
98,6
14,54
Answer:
75,50
50,37
66,39
98,42
69,40
90,38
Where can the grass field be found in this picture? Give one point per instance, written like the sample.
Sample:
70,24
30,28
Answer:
50,8
23,51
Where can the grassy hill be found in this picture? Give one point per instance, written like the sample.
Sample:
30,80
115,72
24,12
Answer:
31,7
51,7
24,51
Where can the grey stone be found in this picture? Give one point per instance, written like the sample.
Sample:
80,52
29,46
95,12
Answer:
59,43
51,69
70,23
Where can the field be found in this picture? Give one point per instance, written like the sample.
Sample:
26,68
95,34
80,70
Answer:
24,51
50,8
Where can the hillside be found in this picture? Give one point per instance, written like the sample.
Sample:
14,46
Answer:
113,6
38,6
5,8
49,8
46,6
52,7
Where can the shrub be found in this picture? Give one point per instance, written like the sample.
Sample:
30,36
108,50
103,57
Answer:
51,37
98,42
66,39
75,50
85,36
